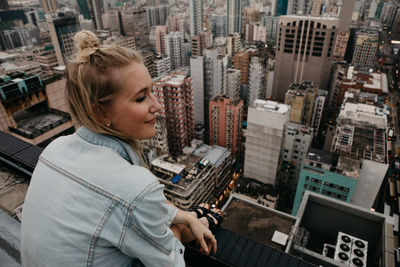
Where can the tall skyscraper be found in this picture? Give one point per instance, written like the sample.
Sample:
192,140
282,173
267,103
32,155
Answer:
232,44
84,9
175,93
271,25
196,16
157,15
173,48
233,83
210,79
234,10
365,49
160,33
241,61
49,6
134,23
226,123
218,25
200,42
297,140
304,52
265,124
299,7
281,8
112,20
62,27
256,84
97,9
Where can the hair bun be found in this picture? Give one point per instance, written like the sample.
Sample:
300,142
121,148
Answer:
86,39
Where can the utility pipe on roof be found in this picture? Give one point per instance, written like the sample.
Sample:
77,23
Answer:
12,164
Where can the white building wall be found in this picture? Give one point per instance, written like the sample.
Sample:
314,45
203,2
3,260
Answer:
197,73
233,83
256,81
264,136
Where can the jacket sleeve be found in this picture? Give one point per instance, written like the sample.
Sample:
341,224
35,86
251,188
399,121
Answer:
148,236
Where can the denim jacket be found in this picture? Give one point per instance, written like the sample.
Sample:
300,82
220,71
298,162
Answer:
90,203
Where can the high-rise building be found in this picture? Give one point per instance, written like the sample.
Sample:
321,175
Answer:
299,7
234,10
345,78
111,20
97,9
218,25
200,42
173,49
210,79
160,33
265,125
361,131
281,8
84,9
365,49
233,83
341,44
256,83
327,174
162,65
233,44
388,13
157,15
304,52
256,32
241,61
226,123
307,103
196,16
297,141
175,92
127,42
199,176
62,27
134,23
271,25
396,26
197,73
148,60
49,6
176,23
316,8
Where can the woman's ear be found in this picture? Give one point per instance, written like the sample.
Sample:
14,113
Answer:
101,115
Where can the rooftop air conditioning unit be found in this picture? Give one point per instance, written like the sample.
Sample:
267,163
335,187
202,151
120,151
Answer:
359,253
343,248
351,250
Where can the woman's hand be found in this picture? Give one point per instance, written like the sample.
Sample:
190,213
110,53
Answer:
200,232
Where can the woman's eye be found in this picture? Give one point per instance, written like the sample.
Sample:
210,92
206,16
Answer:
141,99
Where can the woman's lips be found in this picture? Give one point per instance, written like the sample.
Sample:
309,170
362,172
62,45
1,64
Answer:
153,121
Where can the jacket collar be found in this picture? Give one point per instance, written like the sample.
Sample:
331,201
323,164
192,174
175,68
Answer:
116,144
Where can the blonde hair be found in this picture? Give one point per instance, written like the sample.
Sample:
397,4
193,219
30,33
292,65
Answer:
92,83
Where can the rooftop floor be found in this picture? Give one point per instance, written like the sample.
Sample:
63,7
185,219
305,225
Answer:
256,222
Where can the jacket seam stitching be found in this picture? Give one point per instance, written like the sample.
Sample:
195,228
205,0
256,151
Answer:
84,183
97,232
137,199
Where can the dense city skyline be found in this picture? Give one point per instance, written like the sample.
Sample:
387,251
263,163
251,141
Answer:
278,103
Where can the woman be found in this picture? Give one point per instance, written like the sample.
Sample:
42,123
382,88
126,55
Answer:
90,201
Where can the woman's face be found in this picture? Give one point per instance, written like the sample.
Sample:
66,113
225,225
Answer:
133,109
